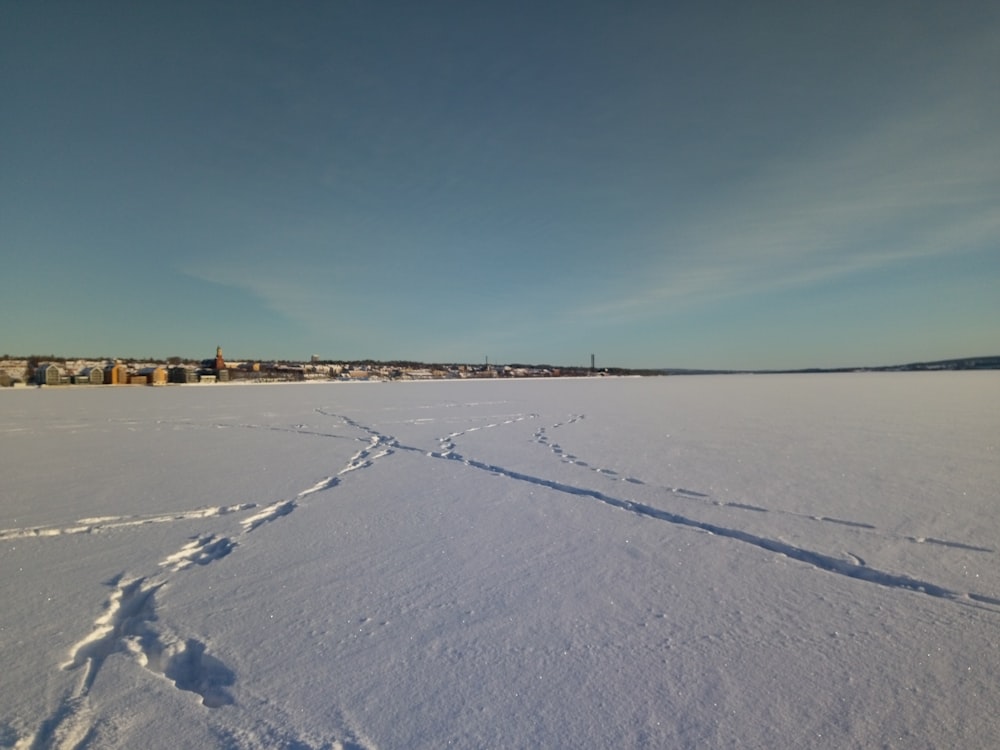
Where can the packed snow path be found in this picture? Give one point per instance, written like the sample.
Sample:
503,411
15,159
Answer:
540,455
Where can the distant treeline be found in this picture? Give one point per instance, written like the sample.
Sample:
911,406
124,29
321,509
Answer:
965,363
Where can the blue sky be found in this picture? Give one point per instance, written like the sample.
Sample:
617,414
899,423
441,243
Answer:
731,185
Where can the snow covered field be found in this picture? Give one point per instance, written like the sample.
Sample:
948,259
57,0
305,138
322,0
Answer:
690,562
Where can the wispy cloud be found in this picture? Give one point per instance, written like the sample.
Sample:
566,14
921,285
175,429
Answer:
289,289
919,183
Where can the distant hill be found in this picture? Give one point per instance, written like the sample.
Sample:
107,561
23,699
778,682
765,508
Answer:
965,363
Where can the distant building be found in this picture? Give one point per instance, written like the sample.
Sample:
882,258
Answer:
91,375
182,375
48,374
154,375
115,374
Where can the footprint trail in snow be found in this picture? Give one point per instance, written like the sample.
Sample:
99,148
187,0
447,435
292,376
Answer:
129,624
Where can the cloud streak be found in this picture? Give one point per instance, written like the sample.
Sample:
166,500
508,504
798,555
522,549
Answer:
914,185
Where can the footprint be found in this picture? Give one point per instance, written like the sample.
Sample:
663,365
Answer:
201,551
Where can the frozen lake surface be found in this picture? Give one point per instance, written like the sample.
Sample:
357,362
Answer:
731,561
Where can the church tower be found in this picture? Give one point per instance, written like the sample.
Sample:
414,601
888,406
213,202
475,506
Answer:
220,363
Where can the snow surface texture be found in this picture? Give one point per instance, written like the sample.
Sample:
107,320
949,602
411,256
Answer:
754,562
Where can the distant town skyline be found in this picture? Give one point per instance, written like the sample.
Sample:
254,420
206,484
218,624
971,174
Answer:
767,186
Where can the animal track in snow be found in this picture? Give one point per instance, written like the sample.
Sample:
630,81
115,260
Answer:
201,551
280,508
126,613
126,627
188,666
367,456
446,444
541,437
851,569
854,568
106,523
946,543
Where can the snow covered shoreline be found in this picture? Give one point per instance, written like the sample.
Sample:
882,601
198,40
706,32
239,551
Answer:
723,561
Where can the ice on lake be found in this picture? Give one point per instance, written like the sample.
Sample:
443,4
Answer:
730,561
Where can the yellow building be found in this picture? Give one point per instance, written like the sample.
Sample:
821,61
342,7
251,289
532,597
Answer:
116,374
154,375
